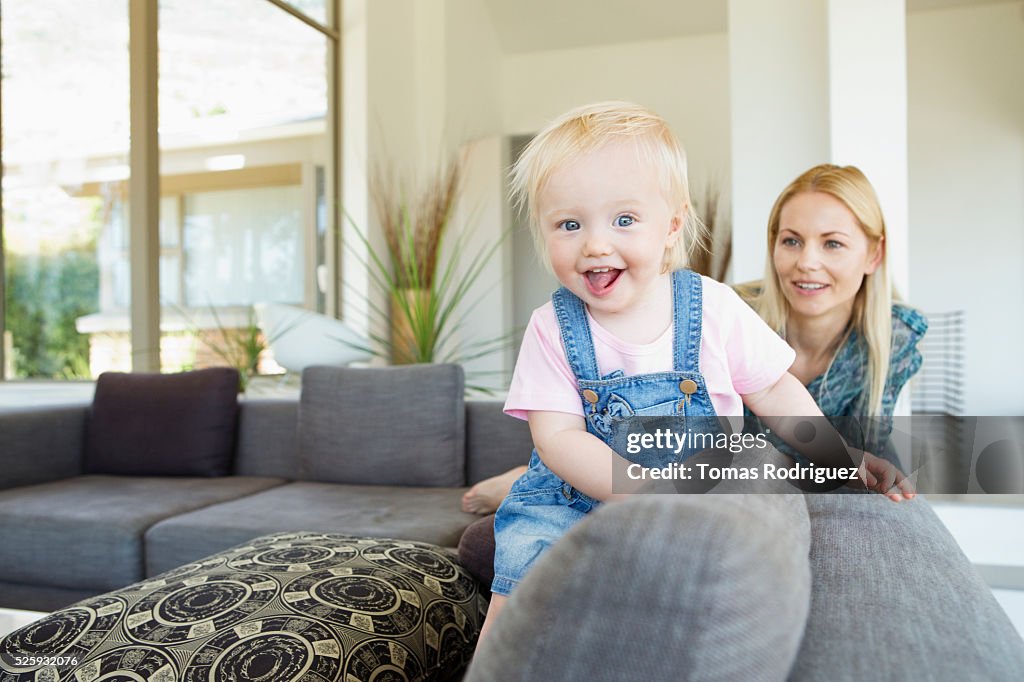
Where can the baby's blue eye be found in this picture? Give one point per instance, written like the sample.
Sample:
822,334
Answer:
569,225
624,221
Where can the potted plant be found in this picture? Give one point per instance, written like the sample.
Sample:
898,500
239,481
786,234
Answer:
427,272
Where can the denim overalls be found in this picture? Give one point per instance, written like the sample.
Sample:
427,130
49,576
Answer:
541,507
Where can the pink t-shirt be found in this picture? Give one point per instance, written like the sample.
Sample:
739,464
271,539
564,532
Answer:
739,355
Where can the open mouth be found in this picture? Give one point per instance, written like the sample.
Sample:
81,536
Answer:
601,280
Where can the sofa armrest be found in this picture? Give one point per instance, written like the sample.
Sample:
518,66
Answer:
895,597
41,444
661,587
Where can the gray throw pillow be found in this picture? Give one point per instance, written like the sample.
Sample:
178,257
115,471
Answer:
383,425
163,424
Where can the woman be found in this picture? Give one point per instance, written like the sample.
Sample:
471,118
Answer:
826,291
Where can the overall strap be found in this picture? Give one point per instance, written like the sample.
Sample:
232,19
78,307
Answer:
687,302
579,346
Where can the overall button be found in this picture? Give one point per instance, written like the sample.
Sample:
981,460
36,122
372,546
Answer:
590,396
688,386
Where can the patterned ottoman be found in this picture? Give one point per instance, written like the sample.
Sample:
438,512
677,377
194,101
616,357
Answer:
289,606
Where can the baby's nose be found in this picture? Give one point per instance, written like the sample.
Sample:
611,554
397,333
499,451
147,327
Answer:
597,245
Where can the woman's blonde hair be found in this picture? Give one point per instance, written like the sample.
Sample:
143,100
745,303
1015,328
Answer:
587,128
872,305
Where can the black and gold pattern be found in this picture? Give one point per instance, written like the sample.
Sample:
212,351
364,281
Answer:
291,606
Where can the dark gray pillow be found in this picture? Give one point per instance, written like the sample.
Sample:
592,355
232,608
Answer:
383,425
163,424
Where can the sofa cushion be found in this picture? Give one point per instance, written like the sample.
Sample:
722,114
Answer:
383,426
495,442
163,424
87,532
894,596
288,607
424,514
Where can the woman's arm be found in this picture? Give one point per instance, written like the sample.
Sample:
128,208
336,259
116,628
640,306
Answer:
777,405
579,458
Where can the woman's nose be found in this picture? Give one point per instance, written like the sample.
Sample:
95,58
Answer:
809,259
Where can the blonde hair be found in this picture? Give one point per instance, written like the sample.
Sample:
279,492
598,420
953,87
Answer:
872,305
589,127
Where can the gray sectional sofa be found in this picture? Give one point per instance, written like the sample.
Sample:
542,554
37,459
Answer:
329,462
708,587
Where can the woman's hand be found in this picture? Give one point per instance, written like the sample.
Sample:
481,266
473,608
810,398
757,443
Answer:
884,477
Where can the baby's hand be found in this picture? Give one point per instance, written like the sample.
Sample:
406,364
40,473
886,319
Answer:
884,477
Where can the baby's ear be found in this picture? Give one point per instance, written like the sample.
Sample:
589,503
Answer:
676,224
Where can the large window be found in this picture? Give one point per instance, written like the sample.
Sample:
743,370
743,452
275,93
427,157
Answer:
245,147
65,123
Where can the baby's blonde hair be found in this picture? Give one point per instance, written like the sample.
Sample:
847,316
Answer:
587,128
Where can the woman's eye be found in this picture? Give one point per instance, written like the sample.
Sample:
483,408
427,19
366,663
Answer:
789,241
833,244
569,225
624,221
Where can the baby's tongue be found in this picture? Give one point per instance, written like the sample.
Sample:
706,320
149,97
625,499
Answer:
602,280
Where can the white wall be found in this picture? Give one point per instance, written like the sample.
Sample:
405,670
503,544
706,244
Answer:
419,82
473,66
965,158
965,122
686,80
966,150
779,76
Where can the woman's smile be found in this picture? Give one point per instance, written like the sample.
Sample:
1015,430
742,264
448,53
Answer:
809,288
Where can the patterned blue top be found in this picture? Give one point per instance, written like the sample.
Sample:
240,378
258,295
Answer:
840,392
843,391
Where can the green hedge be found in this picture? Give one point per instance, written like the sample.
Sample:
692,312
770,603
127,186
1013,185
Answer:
45,295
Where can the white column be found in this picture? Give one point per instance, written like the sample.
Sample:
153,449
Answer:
868,109
815,81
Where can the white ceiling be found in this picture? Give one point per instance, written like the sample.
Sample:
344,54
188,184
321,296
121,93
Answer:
532,25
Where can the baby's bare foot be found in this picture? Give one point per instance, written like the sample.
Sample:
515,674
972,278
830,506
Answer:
485,496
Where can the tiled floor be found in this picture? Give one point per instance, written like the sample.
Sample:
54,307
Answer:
11,620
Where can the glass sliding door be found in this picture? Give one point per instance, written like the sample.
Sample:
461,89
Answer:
247,157
243,104
65,135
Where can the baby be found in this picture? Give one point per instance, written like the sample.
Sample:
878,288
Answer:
630,333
